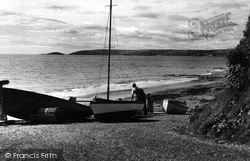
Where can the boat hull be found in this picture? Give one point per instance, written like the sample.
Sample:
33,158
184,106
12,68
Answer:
20,104
115,110
174,107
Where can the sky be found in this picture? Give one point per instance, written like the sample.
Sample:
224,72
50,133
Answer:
43,26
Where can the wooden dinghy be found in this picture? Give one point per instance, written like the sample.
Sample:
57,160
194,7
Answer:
109,110
174,107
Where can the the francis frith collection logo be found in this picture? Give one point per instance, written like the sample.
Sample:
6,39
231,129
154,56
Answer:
210,27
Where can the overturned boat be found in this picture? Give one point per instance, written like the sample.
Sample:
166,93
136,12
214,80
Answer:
174,107
40,108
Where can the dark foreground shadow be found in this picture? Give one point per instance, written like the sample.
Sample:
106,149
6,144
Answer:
137,119
28,122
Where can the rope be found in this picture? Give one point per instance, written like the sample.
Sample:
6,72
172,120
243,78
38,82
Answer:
120,58
100,73
115,40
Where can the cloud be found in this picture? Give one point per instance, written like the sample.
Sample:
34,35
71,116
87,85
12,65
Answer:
145,11
92,26
61,7
71,31
182,37
183,32
48,20
159,1
227,5
178,18
8,13
181,29
145,35
67,25
148,15
142,7
14,18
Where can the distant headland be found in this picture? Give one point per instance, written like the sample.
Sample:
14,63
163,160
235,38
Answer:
214,53
54,53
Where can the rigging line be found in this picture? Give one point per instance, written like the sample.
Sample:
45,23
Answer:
103,54
120,57
106,31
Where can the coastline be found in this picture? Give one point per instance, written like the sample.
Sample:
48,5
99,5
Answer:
156,137
124,91
194,93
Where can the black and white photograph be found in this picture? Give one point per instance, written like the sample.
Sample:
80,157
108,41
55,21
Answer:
120,80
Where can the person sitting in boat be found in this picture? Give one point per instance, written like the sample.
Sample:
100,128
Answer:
140,96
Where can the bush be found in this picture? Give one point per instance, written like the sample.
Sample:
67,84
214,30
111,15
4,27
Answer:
238,63
227,117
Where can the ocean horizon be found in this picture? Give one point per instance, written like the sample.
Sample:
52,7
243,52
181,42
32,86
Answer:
86,75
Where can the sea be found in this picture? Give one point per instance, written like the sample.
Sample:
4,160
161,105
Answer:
85,76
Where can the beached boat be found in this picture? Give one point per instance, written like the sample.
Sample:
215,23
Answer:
109,110
41,108
174,107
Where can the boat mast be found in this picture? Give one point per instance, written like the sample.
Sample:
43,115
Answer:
110,22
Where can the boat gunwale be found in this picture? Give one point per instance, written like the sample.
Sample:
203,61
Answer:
178,104
118,102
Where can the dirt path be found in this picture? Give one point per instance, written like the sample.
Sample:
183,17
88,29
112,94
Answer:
150,138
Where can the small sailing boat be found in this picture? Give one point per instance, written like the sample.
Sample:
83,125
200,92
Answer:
110,110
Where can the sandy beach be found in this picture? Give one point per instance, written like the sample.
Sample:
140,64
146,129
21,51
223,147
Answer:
154,137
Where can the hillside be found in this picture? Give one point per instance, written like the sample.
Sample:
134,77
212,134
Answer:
227,117
154,52
55,53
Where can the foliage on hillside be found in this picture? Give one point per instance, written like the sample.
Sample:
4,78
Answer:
55,53
239,61
227,117
166,52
